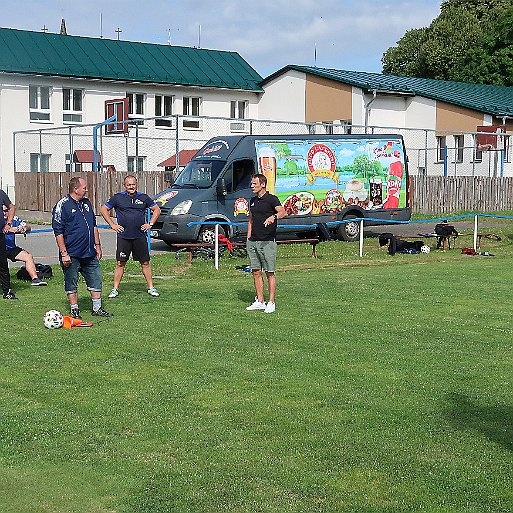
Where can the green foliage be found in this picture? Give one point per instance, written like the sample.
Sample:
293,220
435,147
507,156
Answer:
362,167
381,384
281,150
470,41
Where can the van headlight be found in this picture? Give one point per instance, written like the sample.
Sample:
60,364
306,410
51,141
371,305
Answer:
182,208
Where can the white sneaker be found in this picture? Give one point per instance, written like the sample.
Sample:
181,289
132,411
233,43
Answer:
113,293
153,292
270,308
257,305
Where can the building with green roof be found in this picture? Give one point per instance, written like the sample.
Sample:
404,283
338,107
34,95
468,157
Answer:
439,119
52,80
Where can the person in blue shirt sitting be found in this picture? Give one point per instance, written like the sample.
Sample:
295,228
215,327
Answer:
17,254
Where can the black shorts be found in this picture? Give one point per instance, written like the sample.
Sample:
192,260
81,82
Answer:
13,253
137,247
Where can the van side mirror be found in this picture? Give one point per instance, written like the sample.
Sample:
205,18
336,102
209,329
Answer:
221,187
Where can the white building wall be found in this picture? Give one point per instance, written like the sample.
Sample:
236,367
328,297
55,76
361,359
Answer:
14,116
420,113
386,111
358,109
284,98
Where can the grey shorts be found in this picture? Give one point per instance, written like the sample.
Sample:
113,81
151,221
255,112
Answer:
262,255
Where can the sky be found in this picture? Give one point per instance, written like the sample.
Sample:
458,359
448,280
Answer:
268,34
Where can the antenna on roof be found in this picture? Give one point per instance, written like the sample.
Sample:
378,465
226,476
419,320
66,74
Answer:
315,55
169,34
44,29
118,31
199,36
63,31
101,25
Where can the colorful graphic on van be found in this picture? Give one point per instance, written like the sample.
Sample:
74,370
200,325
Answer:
241,206
315,177
164,198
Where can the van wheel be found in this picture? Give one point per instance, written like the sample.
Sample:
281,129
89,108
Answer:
207,234
349,231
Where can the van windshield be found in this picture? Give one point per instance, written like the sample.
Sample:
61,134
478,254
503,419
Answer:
199,174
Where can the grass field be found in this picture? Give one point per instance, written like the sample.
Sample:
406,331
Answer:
380,385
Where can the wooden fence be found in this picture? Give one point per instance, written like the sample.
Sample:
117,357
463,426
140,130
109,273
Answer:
41,191
429,194
439,194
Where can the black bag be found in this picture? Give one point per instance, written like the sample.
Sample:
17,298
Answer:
323,234
43,271
445,230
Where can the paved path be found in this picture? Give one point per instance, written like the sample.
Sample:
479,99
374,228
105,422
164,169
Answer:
43,247
42,243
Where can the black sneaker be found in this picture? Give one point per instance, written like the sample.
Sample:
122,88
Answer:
10,295
75,313
101,313
37,282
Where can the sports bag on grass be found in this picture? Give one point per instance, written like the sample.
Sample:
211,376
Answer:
43,271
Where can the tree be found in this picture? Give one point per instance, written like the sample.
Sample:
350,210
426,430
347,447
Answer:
470,41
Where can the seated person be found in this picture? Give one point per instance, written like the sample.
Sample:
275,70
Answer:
15,253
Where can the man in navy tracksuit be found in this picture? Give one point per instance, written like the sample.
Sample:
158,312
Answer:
132,229
74,226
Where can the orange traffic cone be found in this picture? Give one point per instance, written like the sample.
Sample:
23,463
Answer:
70,322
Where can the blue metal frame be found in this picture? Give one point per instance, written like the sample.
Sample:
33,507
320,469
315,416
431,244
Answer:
95,139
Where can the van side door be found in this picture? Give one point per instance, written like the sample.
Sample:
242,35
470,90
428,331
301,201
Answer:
235,205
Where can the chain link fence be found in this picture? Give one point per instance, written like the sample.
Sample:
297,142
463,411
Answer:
149,142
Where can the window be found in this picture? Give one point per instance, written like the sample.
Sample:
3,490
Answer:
39,163
238,109
72,105
191,107
239,176
441,143
39,103
328,127
345,126
136,107
72,167
136,164
459,143
163,107
478,154
507,157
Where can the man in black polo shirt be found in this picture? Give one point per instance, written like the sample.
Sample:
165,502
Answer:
131,228
265,210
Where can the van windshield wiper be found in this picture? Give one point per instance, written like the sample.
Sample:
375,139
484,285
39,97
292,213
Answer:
191,185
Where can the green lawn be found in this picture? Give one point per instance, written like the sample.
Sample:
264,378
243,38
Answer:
380,385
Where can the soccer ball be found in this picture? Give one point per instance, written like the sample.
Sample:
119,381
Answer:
53,319
425,249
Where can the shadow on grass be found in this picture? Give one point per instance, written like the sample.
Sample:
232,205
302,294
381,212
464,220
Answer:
495,421
247,295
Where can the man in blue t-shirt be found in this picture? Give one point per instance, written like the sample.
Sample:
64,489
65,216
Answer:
132,228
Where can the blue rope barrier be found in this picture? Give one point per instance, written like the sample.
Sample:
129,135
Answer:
329,223
48,230
357,219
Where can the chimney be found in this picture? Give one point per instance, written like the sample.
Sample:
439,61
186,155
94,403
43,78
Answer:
63,28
